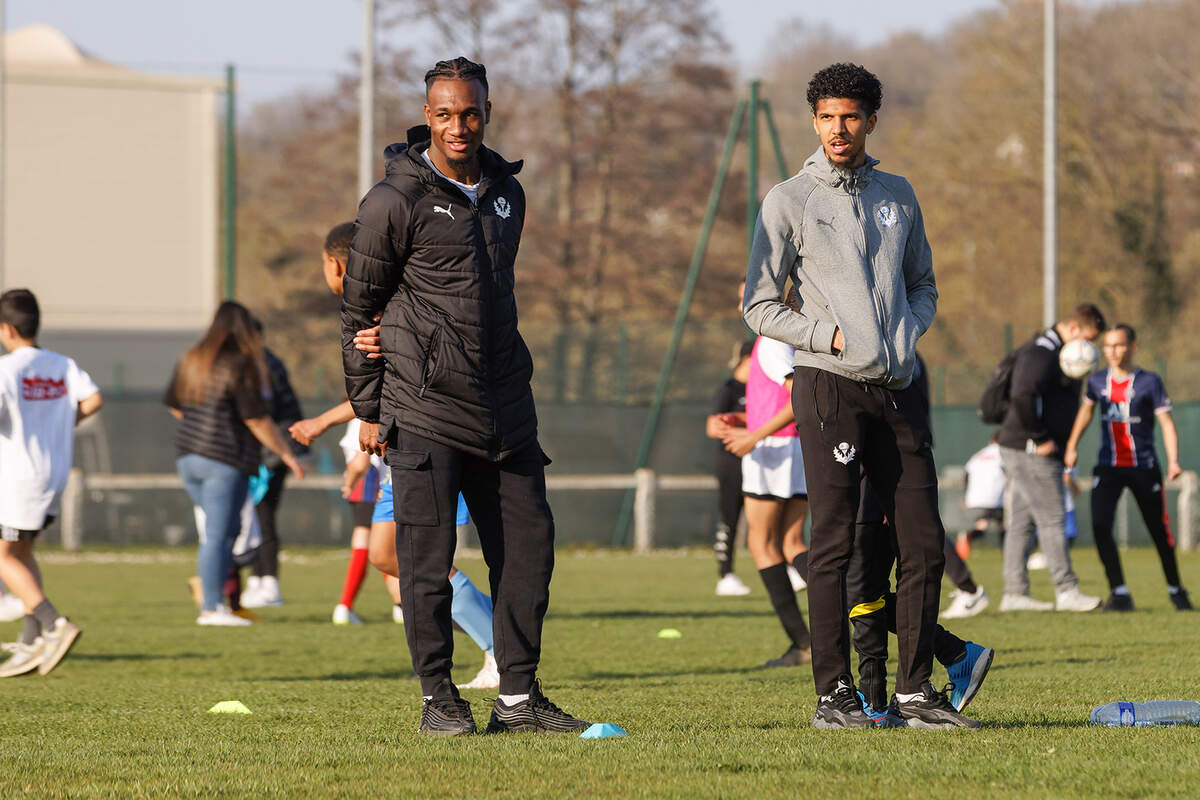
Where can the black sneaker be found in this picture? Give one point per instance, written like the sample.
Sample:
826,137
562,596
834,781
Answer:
1119,602
792,657
535,714
446,714
933,711
1180,600
842,709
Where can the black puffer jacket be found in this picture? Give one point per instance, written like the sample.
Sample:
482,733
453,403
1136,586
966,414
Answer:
455,370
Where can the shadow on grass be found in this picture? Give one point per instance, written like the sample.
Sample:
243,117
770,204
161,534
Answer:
1001,666
341,676
605,675
139,656
643,613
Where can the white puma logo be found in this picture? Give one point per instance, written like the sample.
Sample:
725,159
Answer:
439,210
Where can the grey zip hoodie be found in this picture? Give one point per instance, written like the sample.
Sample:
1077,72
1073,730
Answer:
853,243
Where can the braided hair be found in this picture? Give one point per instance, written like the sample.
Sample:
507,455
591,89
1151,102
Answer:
458,69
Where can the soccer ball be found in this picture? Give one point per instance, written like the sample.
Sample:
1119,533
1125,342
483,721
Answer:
1078,358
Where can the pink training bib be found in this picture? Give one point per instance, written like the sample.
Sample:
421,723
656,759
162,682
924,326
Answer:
765,397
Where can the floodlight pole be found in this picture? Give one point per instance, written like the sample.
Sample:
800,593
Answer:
1049,169
230,184
752,167
366,102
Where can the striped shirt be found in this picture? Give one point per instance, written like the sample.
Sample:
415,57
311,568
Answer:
1127,410
214,428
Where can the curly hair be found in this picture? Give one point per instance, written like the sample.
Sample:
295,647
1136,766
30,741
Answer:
849,81
458,69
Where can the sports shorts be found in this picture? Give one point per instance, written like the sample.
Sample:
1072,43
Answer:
363,514
384,512
11,534
774,469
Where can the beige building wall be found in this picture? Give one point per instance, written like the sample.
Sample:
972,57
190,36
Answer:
111,190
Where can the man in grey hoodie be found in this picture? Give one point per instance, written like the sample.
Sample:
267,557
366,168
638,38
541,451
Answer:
852,240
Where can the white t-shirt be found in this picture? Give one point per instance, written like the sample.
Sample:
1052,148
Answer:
471,191
40,392
985,478
349,444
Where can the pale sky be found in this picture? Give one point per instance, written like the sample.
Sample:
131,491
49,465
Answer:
280,46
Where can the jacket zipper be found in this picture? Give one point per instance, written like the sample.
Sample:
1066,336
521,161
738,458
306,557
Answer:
431,364
485,295
876,297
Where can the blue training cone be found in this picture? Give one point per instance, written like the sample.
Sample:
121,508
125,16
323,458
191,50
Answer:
603,730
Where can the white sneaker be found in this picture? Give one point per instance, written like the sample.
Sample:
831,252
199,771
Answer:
397,614
250,591
342,615
25,658
798,583
966,604
1037,560
1023,602
222,617
267,596
11,608
488,676
1075,600
731,586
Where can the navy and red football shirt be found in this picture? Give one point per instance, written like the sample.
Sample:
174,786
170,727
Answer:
1127,408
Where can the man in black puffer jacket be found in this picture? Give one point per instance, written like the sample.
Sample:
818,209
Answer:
449,405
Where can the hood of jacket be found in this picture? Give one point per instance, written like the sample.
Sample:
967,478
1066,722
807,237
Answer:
408,157
820,167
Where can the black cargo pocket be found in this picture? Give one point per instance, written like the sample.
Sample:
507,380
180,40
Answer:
412,487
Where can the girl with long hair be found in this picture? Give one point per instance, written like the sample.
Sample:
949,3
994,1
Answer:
217,391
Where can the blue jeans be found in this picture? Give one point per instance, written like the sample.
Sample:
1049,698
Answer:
220,490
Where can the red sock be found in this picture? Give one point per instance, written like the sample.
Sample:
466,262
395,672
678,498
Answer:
355,573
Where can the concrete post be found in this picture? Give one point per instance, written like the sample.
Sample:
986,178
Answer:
644,504
72,512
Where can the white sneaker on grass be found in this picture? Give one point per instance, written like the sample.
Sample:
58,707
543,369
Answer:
798,583
223,618
1023,602
731,585
25,658
1037,560
1075,600
267,595
344,615
488,676
966,604
250,592
57,642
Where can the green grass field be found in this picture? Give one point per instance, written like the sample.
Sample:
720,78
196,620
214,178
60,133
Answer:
336,711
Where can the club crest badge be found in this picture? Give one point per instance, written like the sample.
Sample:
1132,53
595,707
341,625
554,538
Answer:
503,208
844,453
887,216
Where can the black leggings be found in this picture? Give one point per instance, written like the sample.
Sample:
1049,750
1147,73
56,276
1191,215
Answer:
729,508
1147,486
267,562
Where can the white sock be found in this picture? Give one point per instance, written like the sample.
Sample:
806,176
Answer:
1122,589
513,699
1173,589
908,698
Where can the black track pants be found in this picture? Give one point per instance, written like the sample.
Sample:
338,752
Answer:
848,429
507,501
1146,483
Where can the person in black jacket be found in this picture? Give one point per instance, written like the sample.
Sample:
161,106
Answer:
1033,439
449,405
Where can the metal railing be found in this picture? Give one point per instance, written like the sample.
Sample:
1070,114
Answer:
646,484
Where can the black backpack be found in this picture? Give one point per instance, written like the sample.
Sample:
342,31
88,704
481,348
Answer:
993,403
